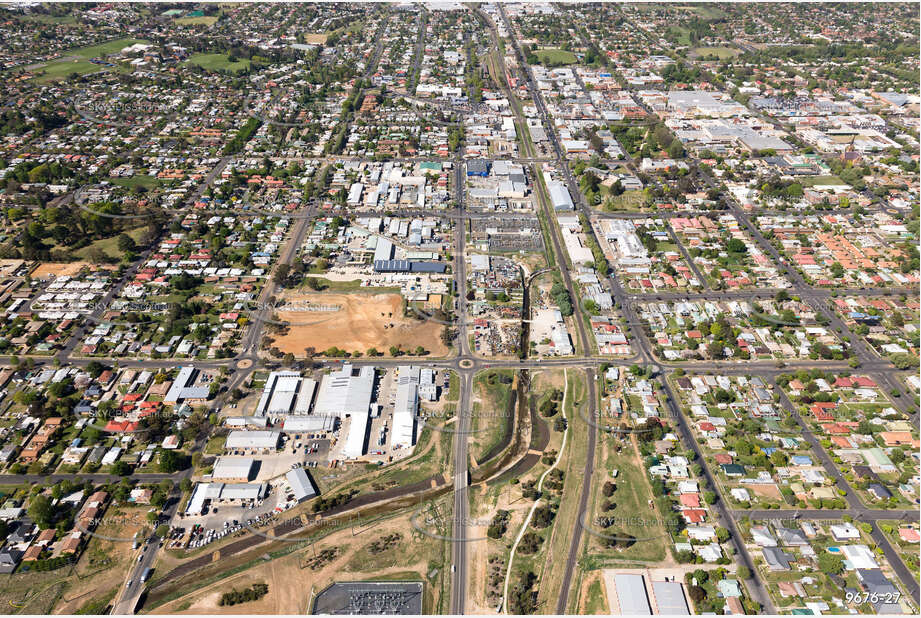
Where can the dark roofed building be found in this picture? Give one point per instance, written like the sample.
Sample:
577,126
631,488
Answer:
478,167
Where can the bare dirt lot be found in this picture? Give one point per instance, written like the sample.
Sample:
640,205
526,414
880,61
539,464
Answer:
362,321
315,38
49,269
293,581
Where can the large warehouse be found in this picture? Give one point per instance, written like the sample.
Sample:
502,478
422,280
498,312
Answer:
253,440
204,493
406,407
670,599
233,468
631,595
348,392
286,392
312,423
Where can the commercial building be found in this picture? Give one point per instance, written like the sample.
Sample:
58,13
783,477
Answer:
347,393
406,407
233,468
560,196
253,440
181,391
478,167
301,484
286,392
631,595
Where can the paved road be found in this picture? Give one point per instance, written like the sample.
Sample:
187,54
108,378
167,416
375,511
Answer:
584,336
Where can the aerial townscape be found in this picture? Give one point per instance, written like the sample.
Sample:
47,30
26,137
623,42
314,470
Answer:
459,308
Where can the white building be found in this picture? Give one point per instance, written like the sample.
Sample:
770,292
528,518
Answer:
406,407
253,440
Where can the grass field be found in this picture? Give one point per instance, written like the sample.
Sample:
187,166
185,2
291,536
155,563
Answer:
811,181
595,602
705,11
77,60
566,521
141,180
218,62
628,200
48,19
631,514
109,245
722,52
555,56
207,20
60,70
681,35
490,421
103,49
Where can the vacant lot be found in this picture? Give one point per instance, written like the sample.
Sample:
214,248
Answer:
723,53
555,57
207,20
47,269
382,550
363,321
218,62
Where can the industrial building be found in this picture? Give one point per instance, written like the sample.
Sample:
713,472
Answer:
631,595
233,468
348,392
559,195
286,392
181,391
308,424
407,266
301,484
670,599
406,407
262,441
236,493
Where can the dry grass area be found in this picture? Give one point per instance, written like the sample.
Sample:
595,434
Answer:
293,583
105,563
363,321
592,595
316,38
766,491
55,269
